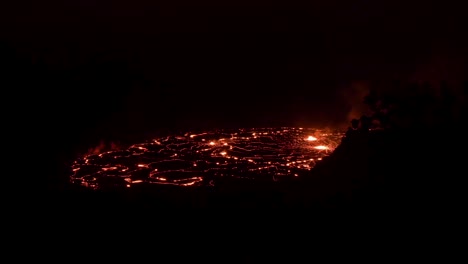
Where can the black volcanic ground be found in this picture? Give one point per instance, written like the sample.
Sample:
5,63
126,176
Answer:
203,159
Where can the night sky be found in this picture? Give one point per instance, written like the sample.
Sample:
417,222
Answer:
116,69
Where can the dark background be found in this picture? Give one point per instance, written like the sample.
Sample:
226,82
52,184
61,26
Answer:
79,72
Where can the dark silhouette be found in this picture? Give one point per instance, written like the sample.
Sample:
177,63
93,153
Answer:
366,123
352,130
354,124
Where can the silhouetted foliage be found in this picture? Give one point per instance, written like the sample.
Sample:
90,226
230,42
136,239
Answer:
417,106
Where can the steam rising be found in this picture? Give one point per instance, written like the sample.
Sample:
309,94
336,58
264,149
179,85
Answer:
102,147
353,96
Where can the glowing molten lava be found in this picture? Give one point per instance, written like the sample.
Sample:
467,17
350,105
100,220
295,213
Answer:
206,158
321,147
